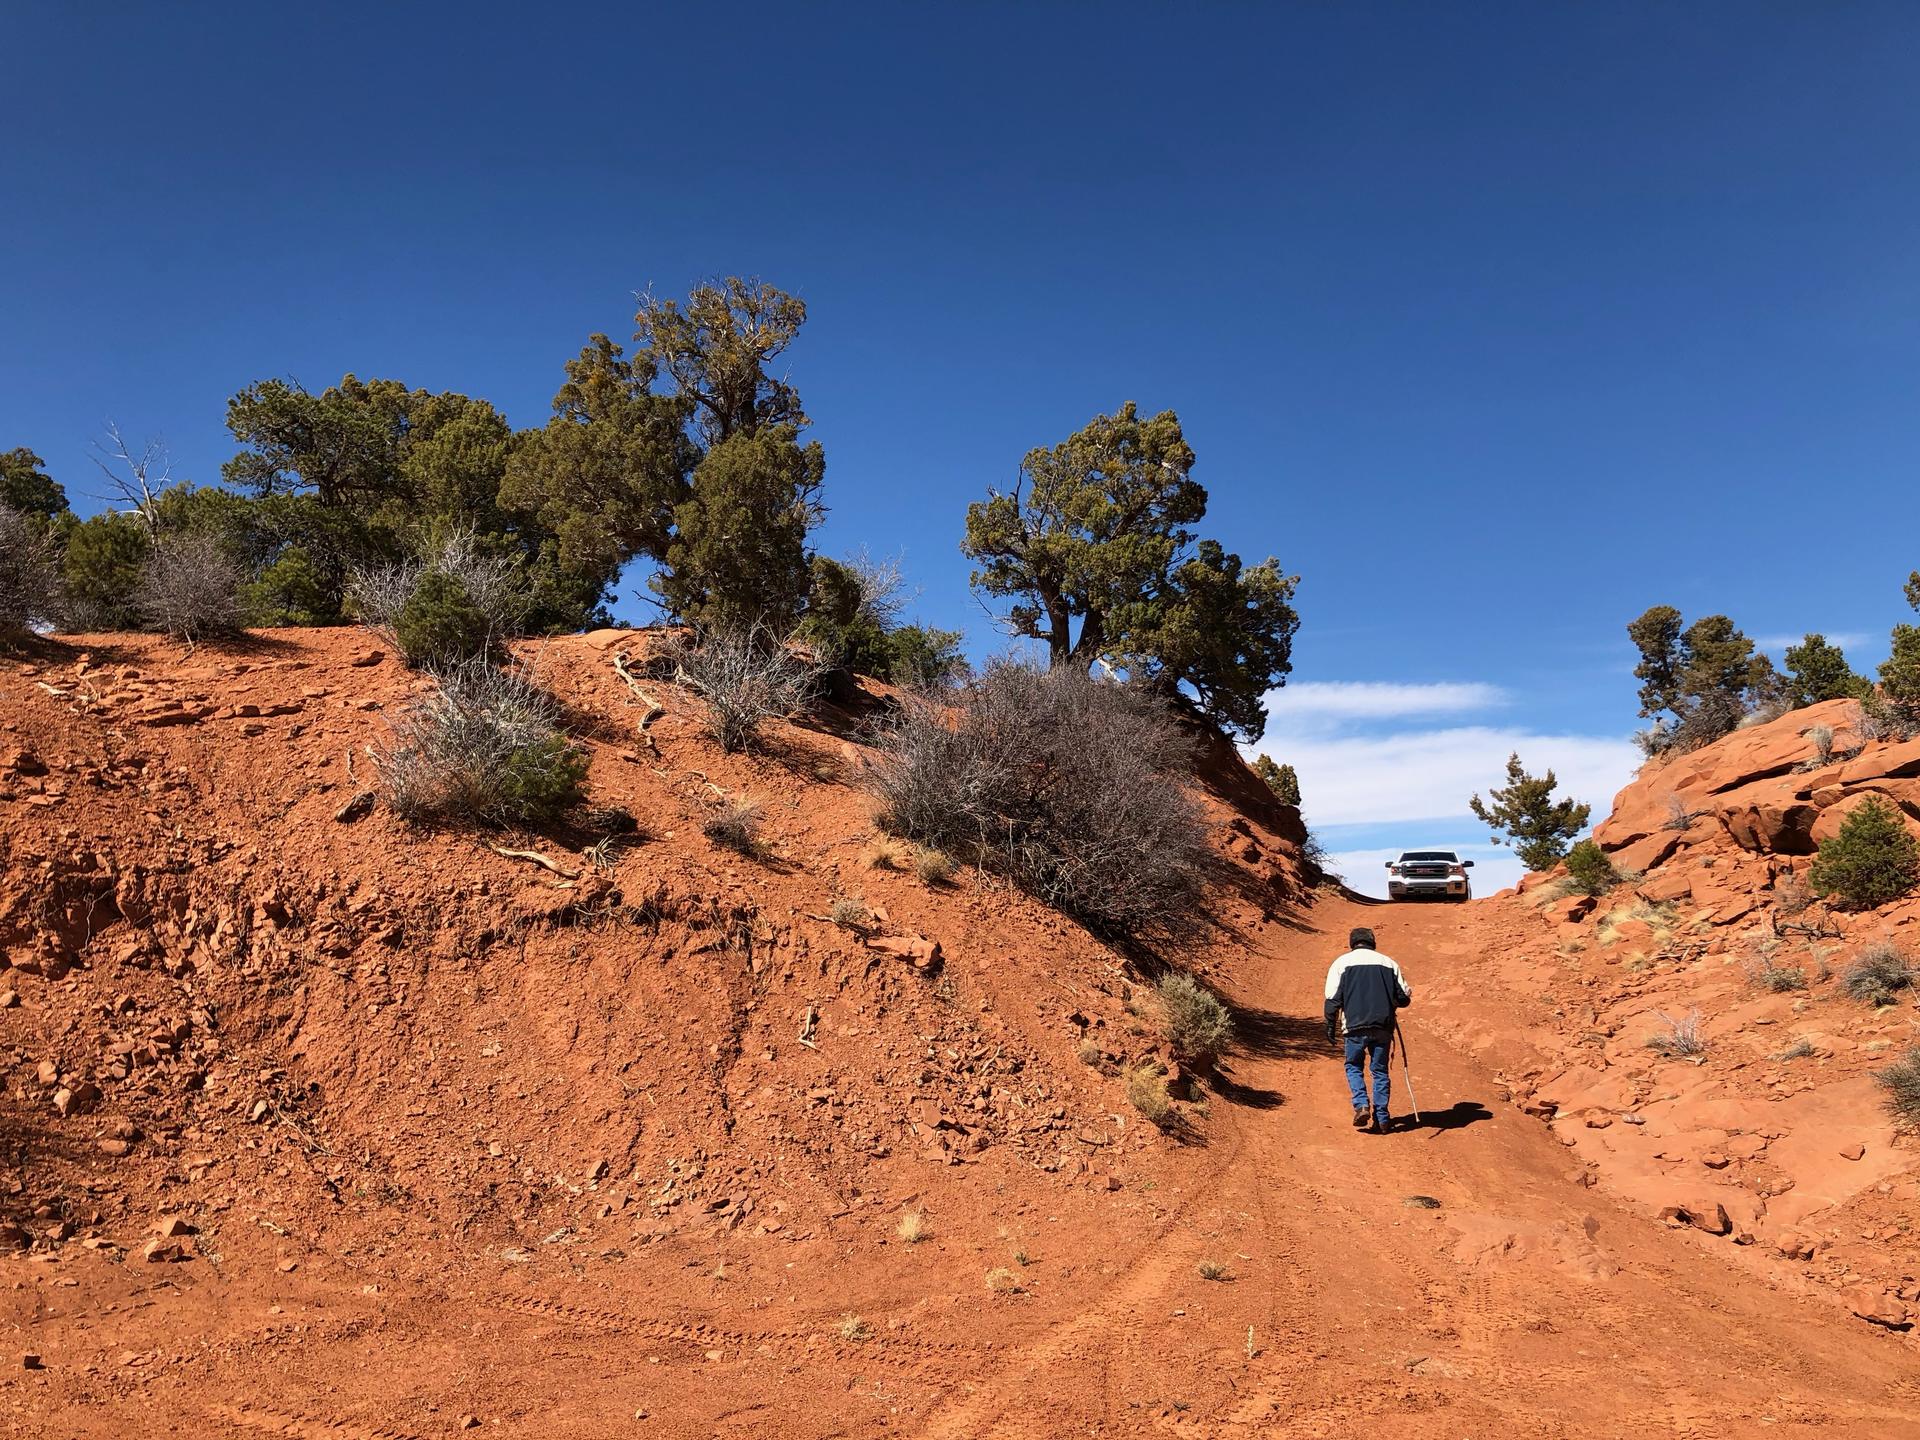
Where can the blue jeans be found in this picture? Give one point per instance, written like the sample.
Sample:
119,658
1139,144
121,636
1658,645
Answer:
1363,1047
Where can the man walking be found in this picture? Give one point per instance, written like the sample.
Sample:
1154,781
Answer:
1364,992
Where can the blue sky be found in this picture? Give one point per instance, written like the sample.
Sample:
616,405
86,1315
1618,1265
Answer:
1496,322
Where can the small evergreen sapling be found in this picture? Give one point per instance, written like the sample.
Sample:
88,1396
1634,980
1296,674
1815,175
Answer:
1537,825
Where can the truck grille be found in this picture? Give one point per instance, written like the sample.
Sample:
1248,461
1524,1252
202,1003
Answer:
1424,872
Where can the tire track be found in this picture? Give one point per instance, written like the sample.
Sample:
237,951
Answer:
299,1426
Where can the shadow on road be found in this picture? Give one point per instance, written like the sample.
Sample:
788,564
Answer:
1456,1116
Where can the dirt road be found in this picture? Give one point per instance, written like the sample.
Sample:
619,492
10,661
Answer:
1452,1280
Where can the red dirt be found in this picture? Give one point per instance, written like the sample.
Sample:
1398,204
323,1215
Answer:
456,1144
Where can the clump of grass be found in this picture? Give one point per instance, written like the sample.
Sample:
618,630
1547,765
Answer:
1901,1081
933,866
913,1227
1196,1024
1147,1092
1090,1053
1022,1259
887,852
1662,919
851,912
736,826
1800,1049
1214,1270
1878,974
853,1329
1002,1281
1681,1039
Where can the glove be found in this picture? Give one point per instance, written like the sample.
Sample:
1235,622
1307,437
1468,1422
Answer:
1333,1034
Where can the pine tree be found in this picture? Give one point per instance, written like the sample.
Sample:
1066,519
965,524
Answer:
1538,826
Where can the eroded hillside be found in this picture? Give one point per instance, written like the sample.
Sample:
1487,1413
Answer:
1773,1136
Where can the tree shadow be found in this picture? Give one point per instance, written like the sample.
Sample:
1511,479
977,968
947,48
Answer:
1456,1116
1268,1034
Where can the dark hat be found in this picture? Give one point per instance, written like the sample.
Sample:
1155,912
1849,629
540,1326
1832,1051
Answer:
1360,939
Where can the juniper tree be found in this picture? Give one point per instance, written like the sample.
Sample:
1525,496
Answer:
1280,779
26,487
1537,825
1817,670
1873,859
1703,679
1093,551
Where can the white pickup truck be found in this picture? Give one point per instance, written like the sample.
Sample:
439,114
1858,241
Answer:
1424,874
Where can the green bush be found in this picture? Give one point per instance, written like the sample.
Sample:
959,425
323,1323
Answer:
482,745
101,570
440,625
1873,860
288,591
1197,1024
1589,871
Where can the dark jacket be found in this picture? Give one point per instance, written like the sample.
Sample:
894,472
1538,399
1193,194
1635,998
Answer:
1365,989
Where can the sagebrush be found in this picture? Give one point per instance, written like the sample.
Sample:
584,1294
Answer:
1878,974
1069,786
1901,1081
455,601
745,678
1196,1023
482,744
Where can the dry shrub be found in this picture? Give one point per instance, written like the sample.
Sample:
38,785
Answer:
851,912
887,852
1901,1081
1069,786
1681,1037
1877,974
913,1227
1197,1025
1002,1281
854,1330
1090,1052
482,744
1767,974
1147,1093
746,678
736,826
1679,817
1214,1270
934,867
29,572
1791,896
188,588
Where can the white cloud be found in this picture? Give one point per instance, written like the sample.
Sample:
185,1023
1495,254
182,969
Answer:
1321,701
1428,774
1845,639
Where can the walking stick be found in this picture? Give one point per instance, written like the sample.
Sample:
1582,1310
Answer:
1406,1070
